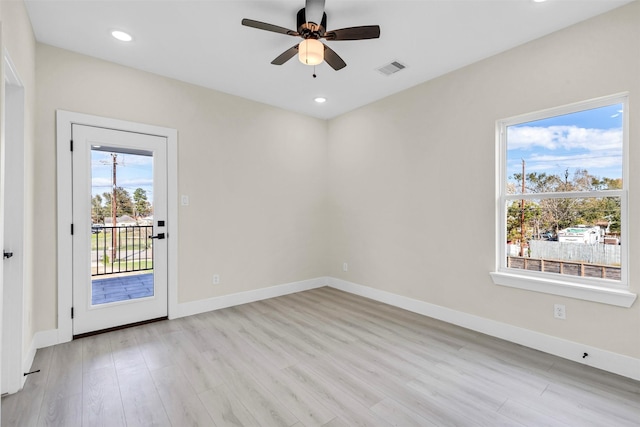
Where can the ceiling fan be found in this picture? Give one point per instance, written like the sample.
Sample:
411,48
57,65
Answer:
312,25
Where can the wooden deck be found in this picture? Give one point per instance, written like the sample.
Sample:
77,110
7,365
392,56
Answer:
108,289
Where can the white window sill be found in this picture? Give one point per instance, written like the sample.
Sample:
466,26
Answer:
619,297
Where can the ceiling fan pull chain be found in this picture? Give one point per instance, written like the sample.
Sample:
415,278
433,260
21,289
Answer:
314,72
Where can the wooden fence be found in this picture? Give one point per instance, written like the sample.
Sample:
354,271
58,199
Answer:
580,252
572,268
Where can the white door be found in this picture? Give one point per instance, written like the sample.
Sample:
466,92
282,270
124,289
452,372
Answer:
12,278
119,267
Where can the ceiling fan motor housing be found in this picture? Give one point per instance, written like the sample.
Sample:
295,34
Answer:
311,30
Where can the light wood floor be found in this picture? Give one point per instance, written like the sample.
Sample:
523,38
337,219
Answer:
317,358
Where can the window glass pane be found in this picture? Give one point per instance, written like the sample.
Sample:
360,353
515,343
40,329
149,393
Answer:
574,236
121,244
580,151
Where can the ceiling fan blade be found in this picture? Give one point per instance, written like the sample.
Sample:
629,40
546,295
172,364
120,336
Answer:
268,27
286,55
333,59
313,10
354,33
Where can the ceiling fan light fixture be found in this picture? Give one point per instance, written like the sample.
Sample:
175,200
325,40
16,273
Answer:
311,52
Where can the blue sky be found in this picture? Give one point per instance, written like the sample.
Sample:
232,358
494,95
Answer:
590,139
133,171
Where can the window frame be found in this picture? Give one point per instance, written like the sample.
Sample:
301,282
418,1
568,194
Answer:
592,289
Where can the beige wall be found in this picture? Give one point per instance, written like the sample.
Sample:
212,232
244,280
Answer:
19,42
255,176
412,180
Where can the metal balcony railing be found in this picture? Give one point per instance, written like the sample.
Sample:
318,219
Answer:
121,249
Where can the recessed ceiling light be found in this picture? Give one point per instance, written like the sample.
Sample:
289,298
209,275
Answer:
320,100
121,35
539,1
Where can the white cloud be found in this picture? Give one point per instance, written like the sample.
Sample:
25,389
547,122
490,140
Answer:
101,182
125,183
564,137
137,182
611,161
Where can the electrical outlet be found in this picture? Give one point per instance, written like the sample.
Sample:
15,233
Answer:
184,200
216,279
345,267
559,311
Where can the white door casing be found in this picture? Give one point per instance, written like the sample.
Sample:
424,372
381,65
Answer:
65,120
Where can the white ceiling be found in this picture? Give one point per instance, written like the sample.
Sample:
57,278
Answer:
202,42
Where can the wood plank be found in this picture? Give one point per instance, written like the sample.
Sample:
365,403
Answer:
442,406
101,402
528,416
465,387
343,405
96,353
149,338
125,350
140,398
604,384
350,384
65,371
261,403
226,409
61,409
182,404
398,415
300,402
590,406
197,368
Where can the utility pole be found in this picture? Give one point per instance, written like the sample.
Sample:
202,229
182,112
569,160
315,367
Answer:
521,215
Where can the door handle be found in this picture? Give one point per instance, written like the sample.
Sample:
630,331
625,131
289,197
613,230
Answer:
159,236
6,254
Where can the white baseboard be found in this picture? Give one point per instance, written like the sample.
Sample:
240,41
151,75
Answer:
216,303
598,358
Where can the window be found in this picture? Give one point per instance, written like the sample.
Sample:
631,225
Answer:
562,221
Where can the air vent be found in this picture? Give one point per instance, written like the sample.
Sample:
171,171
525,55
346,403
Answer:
391,68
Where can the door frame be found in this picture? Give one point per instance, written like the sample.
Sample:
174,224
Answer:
13,239
64,120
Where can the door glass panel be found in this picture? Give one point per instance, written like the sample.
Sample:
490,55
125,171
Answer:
121,232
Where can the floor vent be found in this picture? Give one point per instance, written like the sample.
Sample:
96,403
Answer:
391,68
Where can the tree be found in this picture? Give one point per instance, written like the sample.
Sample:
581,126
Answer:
538,182
559,213
532,219
142,206
612,183
97,210
124,205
